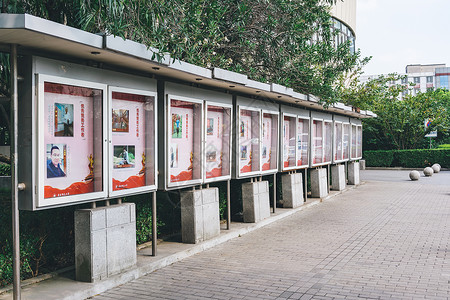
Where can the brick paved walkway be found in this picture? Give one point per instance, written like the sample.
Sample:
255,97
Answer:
382,240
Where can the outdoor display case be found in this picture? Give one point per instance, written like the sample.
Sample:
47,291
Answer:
321,138
341,138
346,141
289,156
70,146
67,134
133,139
356,139
302,142
256,141
218,120
249,140
184,141
269,142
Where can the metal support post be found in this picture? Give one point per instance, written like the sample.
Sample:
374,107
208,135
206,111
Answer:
228,204
305,184
154,225
328,179
274,192
14,179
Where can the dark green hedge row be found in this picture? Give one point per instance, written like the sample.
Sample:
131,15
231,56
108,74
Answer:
5,170
417,158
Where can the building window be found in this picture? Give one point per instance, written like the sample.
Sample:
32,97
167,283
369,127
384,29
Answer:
429,79
416,79
443,81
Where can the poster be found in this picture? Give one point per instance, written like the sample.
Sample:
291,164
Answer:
69,139
317,142
328,141
302,142
181,140
267,140
338,142
245,141
286,136
346,140
215,140
130,155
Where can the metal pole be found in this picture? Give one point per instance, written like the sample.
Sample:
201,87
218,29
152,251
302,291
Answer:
329,176
154,223
305,180
274,192
228,205
14,179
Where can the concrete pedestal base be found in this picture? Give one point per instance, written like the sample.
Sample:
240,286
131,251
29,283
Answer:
292,190
338,177
319,186
255,201
353,173
200,219
105,241
362,164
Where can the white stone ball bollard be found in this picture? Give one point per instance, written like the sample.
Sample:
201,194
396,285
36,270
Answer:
436,168
414,175
428,171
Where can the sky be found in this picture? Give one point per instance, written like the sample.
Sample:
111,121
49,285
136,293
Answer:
397,33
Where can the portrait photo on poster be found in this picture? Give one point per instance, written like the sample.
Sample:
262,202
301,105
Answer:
124,156
210,126
56,160
243,152
63,119
174,155
177,126
211,156
120,120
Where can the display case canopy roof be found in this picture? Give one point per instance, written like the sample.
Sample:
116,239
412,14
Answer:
38,36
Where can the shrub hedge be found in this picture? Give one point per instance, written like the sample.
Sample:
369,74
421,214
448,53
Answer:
416,158
5,170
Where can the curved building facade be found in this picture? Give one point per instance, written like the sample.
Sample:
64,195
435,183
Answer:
344,17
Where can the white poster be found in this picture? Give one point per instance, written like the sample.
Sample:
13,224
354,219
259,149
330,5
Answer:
266,153
214,141
245,141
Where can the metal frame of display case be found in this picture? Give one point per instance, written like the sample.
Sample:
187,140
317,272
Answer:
273,170
295,118
39,153
147,188
237,154
223,177
357,124
179,184
323,118
341,121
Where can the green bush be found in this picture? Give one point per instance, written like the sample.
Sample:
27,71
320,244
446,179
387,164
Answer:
379,158
5,170
416,158
444,146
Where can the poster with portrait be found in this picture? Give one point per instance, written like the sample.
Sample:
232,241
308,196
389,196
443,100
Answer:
69,156
182,150
267,140
286,128
216,140
245,141
131,139
302,141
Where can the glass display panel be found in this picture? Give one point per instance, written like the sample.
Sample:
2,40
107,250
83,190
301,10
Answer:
328,141
302,141
317,142
132,140
346,140
353,147
269,142
338,147
249,131
184,147
73,140
217,148
289,133
359,141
